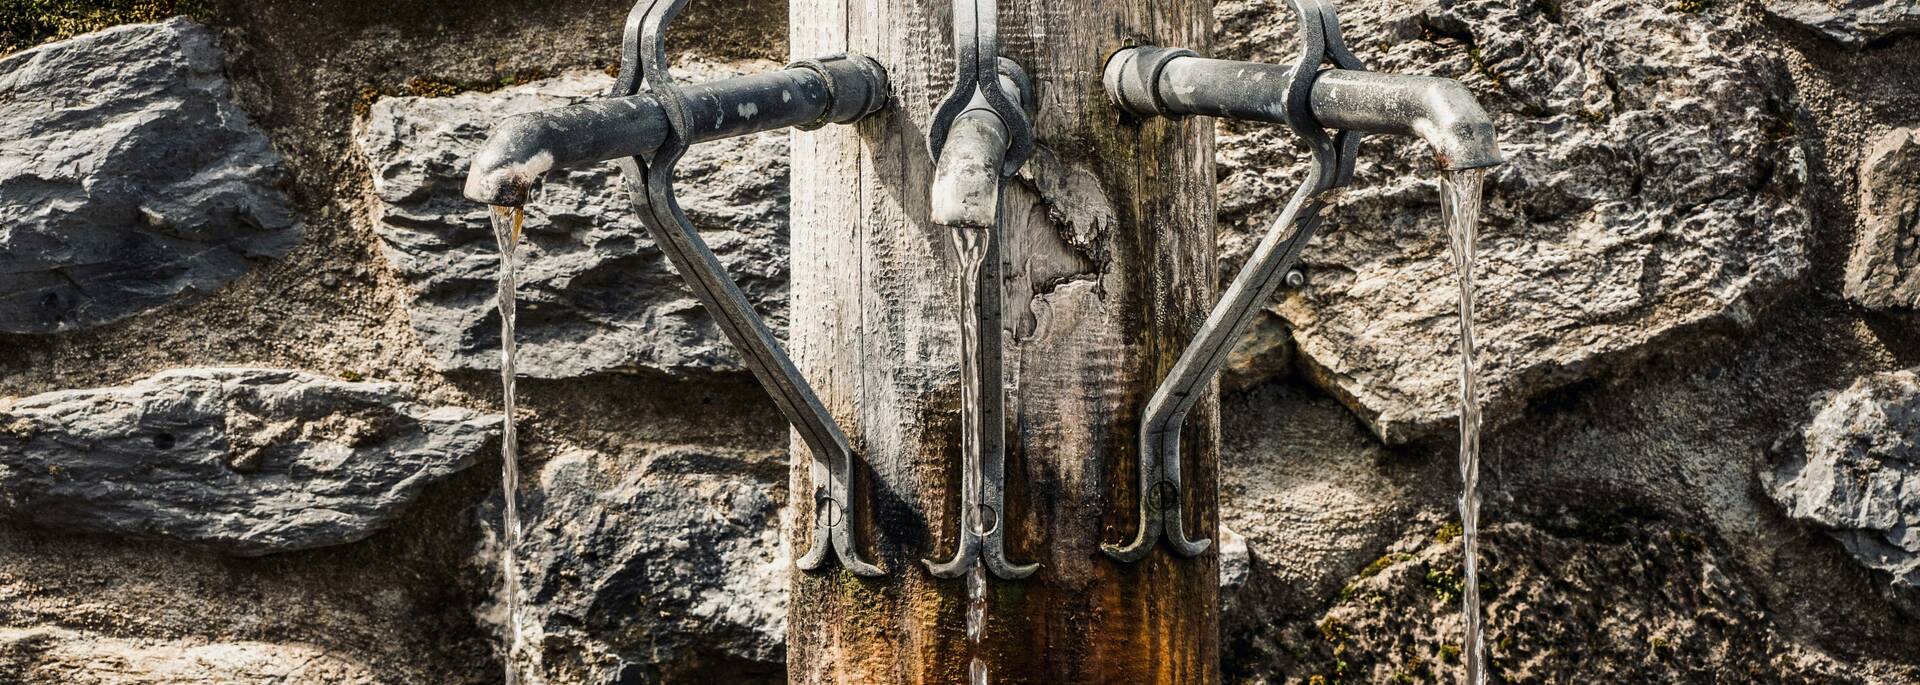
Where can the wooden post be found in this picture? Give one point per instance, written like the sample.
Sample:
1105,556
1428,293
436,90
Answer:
1109,249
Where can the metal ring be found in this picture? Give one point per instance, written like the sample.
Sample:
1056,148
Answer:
1166,495
833,511
992,514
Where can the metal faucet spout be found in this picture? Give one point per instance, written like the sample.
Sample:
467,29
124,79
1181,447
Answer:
1440,111
966,176
522,148
1151,81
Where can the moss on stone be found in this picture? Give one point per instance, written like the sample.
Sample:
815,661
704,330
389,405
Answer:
26,23
1445,584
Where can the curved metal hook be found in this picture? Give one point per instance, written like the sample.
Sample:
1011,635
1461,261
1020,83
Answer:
649,181
977,91
1161,491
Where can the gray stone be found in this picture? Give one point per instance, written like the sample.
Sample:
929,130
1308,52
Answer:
1654,188
128,178
596,295
653,572
1884,271
1853,23
1859,474
59,655
246,461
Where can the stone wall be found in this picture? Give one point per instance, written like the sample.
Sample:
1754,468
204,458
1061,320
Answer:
248,429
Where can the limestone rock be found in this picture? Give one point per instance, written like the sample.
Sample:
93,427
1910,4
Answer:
1653,188
128,178
1853,23
1884,270
1857,475
596,294
654,572
247,461
58,655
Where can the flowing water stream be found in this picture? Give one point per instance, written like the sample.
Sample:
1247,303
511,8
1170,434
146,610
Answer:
507,222
977,622
1460,210
973,247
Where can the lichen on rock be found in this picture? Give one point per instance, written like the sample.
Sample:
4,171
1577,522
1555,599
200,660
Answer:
1583,597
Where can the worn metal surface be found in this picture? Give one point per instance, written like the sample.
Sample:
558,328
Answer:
650,180
525,146
1150,81
968,169
977,72
975,149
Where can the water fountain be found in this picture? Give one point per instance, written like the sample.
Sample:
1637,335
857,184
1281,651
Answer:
981,134
1149,81
646,132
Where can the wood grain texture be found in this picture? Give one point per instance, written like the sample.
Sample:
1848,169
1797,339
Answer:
1109,271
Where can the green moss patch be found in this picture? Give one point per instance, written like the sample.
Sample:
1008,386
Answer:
27,23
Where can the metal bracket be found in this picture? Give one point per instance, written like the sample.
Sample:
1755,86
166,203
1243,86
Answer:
649,180
991,138
976,52
1160,488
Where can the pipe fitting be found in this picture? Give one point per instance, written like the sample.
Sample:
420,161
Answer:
524,147
856,87
1150,81
966,177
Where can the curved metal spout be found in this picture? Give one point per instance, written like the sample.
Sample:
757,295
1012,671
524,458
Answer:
967,173
966,178
1152,81
524,147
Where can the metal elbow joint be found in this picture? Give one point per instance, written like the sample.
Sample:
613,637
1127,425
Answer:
1151,81
967,174
833,90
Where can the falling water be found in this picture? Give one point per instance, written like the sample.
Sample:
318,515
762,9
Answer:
972,246
507,222
976,621
1460,210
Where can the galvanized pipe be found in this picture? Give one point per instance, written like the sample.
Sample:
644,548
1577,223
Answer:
525,146
1151,81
